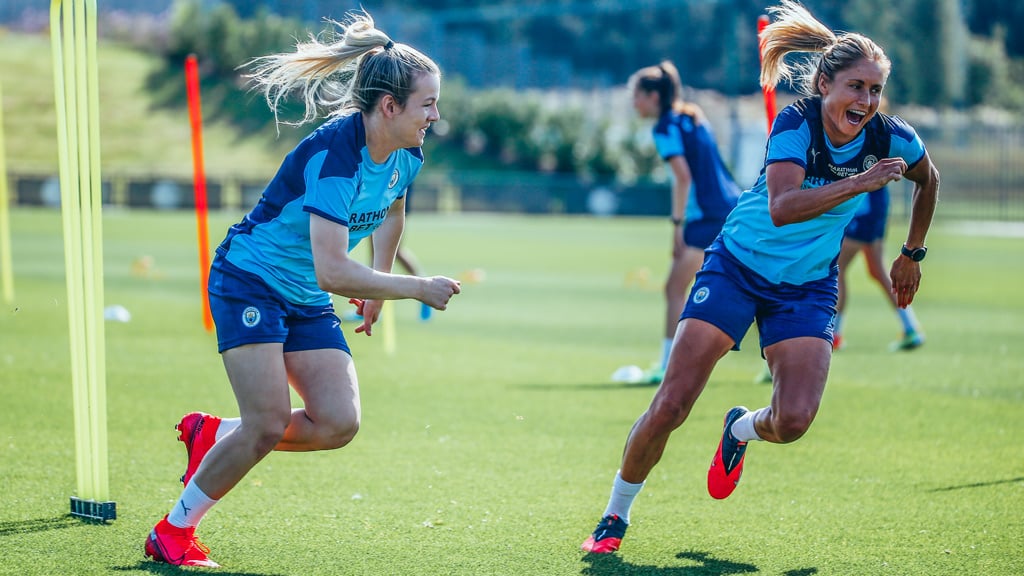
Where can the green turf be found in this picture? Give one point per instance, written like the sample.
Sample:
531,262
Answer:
489,441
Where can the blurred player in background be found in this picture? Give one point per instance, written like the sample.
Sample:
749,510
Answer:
703,190
272,278
866,235
775,261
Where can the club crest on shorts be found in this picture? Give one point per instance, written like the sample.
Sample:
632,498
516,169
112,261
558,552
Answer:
394,178
701,295
250,316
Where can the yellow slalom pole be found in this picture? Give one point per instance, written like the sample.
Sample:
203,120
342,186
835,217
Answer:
60,38
76,94
81,116
6,268
98,377
387,322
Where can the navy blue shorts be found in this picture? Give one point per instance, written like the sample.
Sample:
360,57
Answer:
869,223
247,311
701,233
731,296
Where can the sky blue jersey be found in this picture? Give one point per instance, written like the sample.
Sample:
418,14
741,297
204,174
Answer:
713,192
329,174
805,251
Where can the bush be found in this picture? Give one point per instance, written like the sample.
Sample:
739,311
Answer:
492,129
991,74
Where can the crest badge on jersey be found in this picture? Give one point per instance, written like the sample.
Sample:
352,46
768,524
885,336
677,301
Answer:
869,161
394,178
701,295
251,316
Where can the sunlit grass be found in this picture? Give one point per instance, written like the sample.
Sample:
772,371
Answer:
490,439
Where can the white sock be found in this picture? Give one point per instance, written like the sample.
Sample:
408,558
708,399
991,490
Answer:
743,428
227,426
908,319
666,348
622,497
192,505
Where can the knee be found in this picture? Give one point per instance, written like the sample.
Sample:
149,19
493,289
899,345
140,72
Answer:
267,433
339,433
667,414
790,425
334,427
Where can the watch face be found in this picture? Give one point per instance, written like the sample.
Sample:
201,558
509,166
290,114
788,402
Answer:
917,254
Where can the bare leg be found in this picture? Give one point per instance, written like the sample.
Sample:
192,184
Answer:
684,267
799,369
259,375
698,347
407,260
873,257
847,253
327,383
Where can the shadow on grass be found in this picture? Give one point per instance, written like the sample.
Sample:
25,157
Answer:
597,386
167,569
38,525
978,485
613,565
706,565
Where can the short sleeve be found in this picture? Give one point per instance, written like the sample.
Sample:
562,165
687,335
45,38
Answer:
329,197
905,143
790,139
668,141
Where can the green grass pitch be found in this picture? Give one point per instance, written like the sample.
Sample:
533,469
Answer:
490,438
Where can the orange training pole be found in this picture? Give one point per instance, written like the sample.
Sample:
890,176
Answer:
768,92
199,183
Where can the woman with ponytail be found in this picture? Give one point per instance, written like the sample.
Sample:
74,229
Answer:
273,275
703,190
775,261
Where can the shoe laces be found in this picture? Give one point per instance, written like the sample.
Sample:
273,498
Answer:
610,526
200,546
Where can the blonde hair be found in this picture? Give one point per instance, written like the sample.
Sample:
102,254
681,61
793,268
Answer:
795,30
664,80
342,74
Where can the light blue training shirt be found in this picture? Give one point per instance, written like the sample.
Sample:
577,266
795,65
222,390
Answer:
329,174
804,251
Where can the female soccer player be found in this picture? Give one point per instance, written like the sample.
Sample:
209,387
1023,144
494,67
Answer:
775,260
703,191
866,235
273,274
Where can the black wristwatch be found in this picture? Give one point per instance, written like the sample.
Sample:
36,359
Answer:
677,221
917,254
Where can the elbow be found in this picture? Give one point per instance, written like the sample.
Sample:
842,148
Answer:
325,282
927,190
779,216
331,278
778,220
936,180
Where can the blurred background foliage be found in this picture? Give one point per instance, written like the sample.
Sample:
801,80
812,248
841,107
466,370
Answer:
528,82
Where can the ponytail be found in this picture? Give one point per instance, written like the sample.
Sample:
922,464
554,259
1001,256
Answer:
796,30
341,75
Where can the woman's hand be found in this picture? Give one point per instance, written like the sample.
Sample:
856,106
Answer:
906,279
882,173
